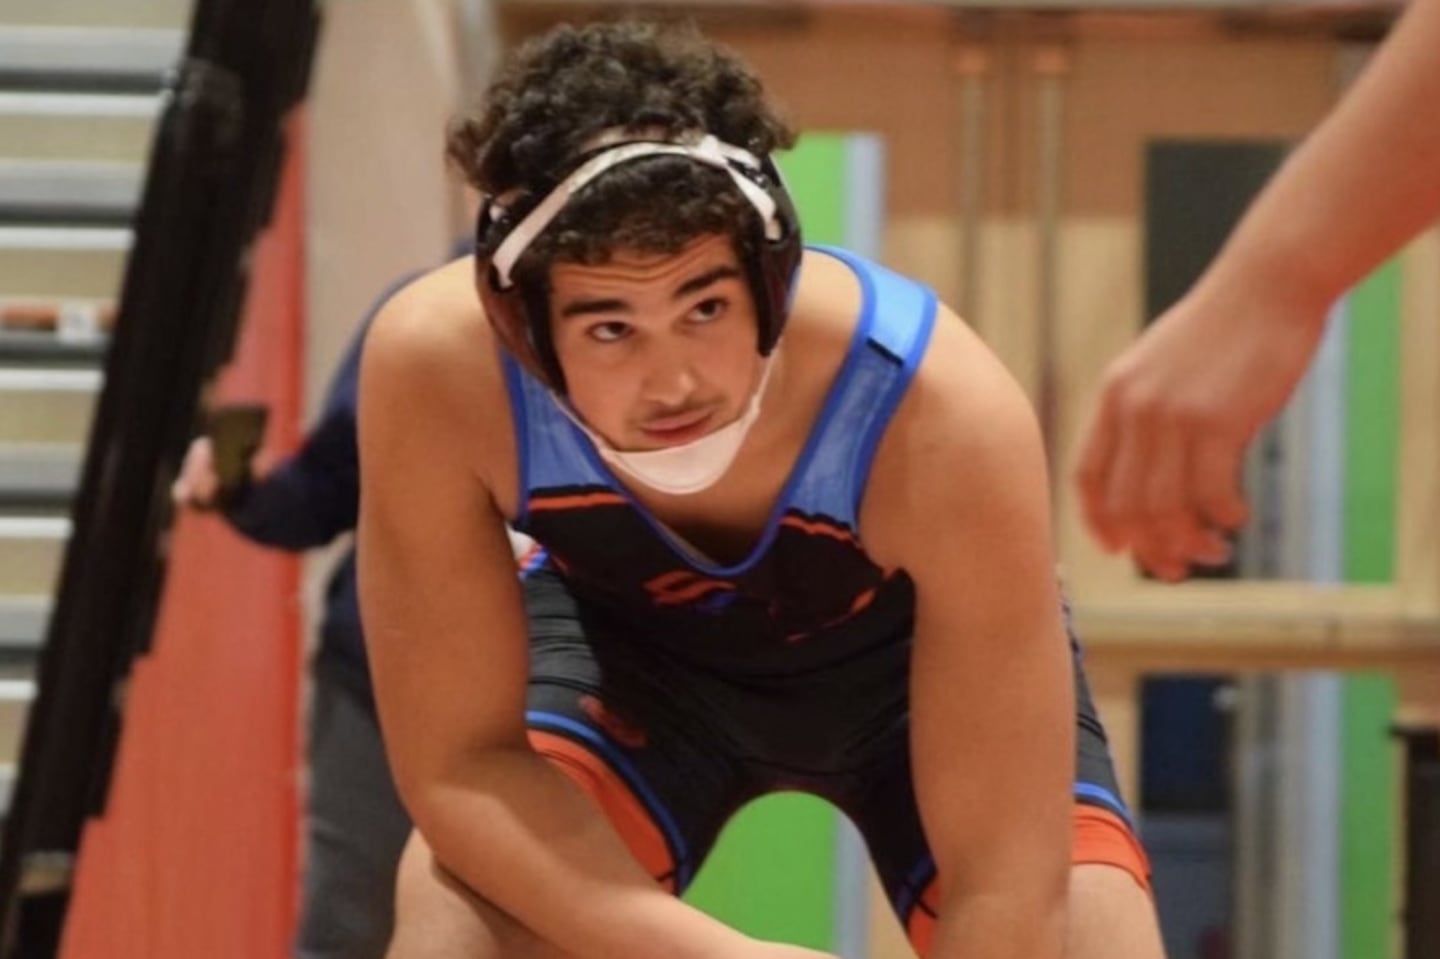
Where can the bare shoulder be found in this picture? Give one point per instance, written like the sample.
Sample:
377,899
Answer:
827,304
964,439
431,366
963,398
429,326
826,285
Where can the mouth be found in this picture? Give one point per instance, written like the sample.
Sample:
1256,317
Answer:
678,429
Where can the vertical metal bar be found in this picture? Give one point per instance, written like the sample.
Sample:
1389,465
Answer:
1307,855
852,888
478,39
1309,895
865,194
478,52
1252,820
864,227
1051,65
972,64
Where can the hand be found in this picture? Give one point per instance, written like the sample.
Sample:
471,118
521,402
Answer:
198,484
1160,465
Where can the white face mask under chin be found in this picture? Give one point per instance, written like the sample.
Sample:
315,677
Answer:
690,467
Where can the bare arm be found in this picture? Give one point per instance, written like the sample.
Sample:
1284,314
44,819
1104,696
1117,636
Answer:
962,504
448,643
1160,464
1364,182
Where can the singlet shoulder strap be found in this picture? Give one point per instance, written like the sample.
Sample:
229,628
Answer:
897,316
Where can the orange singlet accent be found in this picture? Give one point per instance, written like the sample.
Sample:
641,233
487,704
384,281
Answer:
627,814
1100,837
682,586
819,528
579,501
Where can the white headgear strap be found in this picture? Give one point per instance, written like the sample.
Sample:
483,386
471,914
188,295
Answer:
708,150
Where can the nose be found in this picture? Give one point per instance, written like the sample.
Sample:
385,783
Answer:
670,378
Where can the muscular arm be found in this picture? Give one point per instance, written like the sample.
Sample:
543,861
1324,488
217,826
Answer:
962,504
1365,181
448,644
1159,469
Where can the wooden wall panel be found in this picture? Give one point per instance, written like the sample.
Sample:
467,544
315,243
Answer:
1122,92
1417,546
382,202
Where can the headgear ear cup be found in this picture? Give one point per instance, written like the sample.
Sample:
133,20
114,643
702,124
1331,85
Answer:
520,313
492,224
777,262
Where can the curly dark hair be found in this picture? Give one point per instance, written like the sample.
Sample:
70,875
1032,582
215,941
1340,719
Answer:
558,91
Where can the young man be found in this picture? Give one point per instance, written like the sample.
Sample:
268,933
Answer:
1160,469
796,519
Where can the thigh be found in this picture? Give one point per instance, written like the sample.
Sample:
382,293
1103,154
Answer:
887,813
355,829
1111,916
622,726
1104,829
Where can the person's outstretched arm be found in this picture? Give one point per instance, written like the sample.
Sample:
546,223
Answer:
1160,464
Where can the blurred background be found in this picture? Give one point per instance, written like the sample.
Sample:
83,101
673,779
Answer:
1059,172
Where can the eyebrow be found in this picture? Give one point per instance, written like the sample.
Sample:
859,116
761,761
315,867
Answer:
615,305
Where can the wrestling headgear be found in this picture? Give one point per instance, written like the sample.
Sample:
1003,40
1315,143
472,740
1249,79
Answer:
508,225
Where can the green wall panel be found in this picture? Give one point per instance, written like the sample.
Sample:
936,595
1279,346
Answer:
1368,802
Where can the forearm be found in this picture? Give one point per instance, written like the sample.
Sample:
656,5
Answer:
1363,183
313,495
1000,925
294,509
524,838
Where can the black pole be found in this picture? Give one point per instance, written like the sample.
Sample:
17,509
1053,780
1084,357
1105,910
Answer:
211,182
1422,841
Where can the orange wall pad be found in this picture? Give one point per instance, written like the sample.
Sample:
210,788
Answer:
197,854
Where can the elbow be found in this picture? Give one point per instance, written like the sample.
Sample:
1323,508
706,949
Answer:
431,802
433,783
1041,897
1014,928
1023,904
463,806
423,786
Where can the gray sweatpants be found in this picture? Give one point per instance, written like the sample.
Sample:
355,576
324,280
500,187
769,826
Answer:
355,830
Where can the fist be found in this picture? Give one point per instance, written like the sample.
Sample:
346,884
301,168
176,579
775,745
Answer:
198,484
